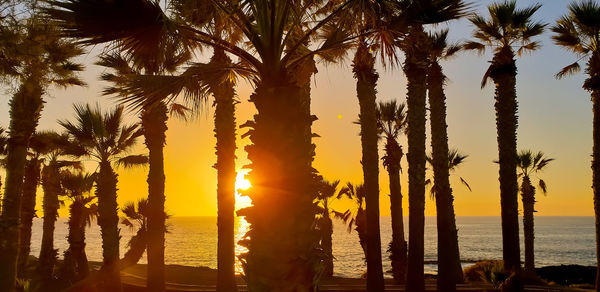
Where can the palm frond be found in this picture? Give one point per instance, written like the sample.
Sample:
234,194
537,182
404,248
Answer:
568,70
132,161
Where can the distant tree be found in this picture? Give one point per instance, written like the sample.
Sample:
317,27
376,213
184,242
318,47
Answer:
104,138
578,32
355,219
82,211
528,165
506,28
328,191
391,122
136,216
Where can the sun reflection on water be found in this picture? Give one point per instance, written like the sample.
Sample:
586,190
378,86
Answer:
241,227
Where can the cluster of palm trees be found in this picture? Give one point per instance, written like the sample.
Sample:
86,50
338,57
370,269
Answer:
275,46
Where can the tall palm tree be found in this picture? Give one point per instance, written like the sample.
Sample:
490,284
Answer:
327,192
107,141
529,164
391,122
82,211
273,55
449,267
578,31
154,126
371,15
38,147
43,58
415,45
506,27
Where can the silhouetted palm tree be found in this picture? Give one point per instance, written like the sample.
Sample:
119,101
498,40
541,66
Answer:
274,56
82,211
136,215
507,26
38,147
43,59
327,192
415,45
355,218
103,138
578,32
449,267
528,164
58,146
391,121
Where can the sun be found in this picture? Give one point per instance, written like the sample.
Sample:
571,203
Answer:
241,183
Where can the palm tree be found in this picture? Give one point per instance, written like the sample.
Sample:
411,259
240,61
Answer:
38,147
449,267
391,122
42,59
578,32
278,63
455,159
154,126
358,217
327,192
103,138
528,164
58,145
415,45
507,26
136,215
82,211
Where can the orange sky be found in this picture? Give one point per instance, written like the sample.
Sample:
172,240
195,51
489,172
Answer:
554,116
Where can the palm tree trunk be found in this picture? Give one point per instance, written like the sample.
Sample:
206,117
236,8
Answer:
398,247
448,253
504,72
281,236
76,239
52,189
415,69
25,108
30,184
154,125
106,191
366,81
224,95
596,176
327,244
528,198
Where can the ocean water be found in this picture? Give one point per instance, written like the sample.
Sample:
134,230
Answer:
192,241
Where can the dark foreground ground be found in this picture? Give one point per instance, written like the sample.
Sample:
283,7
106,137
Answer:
184,278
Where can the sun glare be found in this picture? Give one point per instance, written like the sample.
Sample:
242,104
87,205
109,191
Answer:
241,183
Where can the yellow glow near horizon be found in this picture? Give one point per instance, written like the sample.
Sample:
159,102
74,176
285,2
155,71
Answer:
241,183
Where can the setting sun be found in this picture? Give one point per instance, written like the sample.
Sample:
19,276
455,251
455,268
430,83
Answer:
241,183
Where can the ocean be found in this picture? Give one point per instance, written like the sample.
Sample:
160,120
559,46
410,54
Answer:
192,241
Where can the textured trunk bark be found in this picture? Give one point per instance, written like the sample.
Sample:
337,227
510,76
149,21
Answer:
415,68
30,184
596,176
281,239
448,252
76,240
224,95
25,108
528,198
106,191
398,248
154,125
504,74
327,244
366,81
52,189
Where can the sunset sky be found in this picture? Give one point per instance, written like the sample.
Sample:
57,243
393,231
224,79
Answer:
555,116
